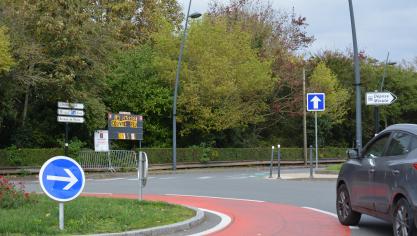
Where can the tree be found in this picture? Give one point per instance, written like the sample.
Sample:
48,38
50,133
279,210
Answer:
6,59
324,80
134,86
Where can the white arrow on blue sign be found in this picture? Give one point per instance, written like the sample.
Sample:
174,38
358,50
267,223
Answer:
316,101
62,178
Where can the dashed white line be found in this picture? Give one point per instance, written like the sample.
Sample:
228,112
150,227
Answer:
225,221
205,177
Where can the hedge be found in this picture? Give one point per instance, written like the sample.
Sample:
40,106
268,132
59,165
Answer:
36,157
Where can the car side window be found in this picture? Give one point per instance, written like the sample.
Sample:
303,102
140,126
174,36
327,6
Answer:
399,144
376,149
413,144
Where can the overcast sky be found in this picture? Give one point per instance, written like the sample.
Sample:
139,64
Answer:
382,25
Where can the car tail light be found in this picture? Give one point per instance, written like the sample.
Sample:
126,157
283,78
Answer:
415,165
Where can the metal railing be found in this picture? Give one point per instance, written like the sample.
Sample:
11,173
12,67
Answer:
112,160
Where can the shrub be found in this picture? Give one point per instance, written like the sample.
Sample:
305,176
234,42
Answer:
12,196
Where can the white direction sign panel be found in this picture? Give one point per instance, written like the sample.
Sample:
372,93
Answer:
70,105
70,119
101,141
380,98
67,112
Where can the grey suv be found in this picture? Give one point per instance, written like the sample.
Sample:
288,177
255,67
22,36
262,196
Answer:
382,180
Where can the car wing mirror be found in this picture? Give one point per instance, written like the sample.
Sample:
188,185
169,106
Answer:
352,153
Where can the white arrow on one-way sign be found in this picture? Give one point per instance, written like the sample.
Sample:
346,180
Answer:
315,101
71,179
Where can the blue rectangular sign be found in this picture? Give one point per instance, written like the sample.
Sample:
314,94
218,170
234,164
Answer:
316,101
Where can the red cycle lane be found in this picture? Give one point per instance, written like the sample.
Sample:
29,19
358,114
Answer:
256,218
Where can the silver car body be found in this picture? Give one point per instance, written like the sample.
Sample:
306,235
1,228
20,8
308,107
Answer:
384,172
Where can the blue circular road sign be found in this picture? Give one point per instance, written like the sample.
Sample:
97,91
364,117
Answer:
62,178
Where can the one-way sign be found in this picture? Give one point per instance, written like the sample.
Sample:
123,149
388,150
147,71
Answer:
316,101
380,98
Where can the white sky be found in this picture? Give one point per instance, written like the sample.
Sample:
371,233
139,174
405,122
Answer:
382,26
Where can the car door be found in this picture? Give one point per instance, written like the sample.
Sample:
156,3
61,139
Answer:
388,169
362,191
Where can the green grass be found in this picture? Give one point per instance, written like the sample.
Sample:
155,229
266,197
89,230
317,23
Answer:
87,215
334,167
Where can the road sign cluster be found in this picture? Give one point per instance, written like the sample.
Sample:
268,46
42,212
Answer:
70,112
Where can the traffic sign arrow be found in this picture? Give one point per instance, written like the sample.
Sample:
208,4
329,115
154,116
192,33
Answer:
71,179
315,101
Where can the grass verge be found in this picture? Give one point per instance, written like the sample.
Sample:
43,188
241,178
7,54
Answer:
335,168
88,215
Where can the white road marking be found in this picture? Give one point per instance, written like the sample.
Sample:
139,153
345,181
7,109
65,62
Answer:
237,177
205,177
225,221
165,178
321,211
98,193
226,198
103,180
330,214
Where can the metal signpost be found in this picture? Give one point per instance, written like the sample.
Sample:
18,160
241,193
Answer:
62,179
316,102
70,113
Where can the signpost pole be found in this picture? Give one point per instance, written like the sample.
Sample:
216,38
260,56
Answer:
317,145
61,216
140,174
66,139
271,165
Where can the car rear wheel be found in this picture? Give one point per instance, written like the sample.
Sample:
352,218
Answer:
346,215
403,220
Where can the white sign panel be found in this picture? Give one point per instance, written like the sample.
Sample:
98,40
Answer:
101,141
67,112
380,98
70,105
70,119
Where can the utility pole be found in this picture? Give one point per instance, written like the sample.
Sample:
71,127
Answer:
304,117
357,81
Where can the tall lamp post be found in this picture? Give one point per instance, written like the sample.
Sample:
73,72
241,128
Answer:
357,81
376,108
177,78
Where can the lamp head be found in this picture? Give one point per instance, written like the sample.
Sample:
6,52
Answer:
195,15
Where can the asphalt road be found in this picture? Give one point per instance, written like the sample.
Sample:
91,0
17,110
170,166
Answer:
249,183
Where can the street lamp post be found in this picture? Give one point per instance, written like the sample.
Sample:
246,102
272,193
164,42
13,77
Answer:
376,108
357,81
177,78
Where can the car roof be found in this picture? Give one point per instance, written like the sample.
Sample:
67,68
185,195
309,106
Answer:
412,128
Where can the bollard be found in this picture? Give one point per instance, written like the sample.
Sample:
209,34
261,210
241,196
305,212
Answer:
311,161
279,161
272,161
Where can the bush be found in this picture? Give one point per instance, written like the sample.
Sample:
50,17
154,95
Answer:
12,196
198,154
